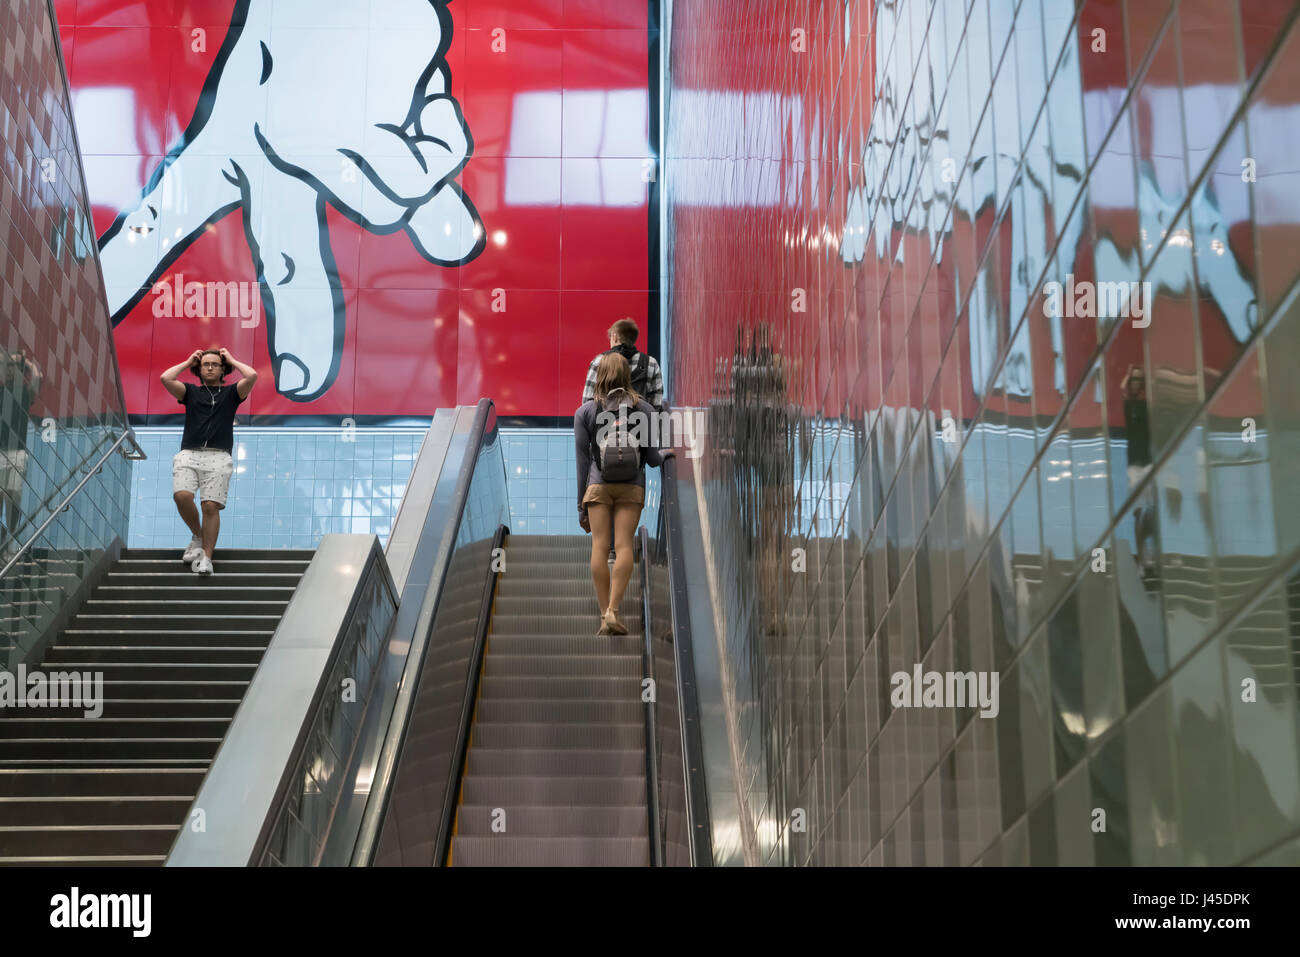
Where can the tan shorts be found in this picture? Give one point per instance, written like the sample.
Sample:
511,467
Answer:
204,472
617,494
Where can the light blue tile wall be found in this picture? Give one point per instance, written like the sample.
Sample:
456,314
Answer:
541,471
291,486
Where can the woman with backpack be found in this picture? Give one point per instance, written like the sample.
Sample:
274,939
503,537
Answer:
611,436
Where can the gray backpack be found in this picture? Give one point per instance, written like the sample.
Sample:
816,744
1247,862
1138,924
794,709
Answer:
618,452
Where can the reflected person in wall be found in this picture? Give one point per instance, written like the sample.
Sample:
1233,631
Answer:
204,464
1137,434
774,470
613,435
20,383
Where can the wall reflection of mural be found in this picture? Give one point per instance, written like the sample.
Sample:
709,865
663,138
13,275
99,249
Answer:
883,253
391,206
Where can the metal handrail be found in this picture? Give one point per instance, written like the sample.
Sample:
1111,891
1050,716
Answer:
67,501
386,767
651,709
451,798
699,827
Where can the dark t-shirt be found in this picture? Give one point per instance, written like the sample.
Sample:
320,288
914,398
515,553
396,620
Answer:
209,417
1137,429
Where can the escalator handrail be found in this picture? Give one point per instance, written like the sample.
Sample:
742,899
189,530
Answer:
451,797
699,826
386,767
651,708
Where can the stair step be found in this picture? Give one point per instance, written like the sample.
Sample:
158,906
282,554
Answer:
73,860
15,728
223,577
157,689
152,608
100,749
98,782
192,592
157,654
236,554
114,839
156,708
500,850
88,811
224,639
165,671
189,621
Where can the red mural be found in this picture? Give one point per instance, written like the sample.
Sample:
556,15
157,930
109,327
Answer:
386,207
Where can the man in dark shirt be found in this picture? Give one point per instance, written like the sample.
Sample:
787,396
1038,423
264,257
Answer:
204,463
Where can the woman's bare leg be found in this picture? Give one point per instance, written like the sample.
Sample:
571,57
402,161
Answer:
626,516
598,516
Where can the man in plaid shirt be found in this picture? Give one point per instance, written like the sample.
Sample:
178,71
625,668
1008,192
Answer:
622,338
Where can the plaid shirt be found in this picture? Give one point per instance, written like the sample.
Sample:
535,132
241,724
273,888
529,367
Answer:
654,382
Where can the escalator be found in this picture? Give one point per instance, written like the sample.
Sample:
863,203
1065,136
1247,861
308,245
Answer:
176,653
556,769
520,736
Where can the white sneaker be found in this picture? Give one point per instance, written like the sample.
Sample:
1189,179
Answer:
202,565
193,550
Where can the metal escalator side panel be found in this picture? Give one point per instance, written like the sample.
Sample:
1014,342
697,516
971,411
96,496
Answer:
442,543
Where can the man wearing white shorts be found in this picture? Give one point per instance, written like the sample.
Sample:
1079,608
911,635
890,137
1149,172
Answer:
204,465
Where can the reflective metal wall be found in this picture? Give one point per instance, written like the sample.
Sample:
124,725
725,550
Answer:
61,405
993,307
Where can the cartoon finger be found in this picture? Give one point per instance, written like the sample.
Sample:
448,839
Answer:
446,230
300,287
145,240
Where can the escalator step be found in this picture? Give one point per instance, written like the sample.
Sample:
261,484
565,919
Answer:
500,850
550,821
622,688
559,735
544,710
599,645
563,665
567,625
543,762
516,791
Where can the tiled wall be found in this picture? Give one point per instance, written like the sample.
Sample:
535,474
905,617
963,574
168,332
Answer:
919,465
541,470
293,485
60,400
290,486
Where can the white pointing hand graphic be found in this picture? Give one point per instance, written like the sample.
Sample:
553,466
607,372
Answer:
276,134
